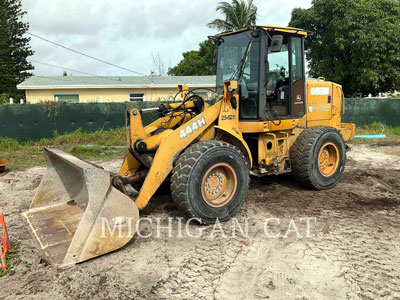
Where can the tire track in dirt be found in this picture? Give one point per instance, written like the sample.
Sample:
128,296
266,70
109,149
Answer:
353,251
280,268
357,230
361,233
198,276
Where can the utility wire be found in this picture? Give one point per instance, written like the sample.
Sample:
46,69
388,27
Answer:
72,70
78,52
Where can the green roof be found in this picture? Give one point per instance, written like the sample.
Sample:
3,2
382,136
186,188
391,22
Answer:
68,82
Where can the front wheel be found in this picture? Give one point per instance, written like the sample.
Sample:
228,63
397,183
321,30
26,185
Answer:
210,181
318,157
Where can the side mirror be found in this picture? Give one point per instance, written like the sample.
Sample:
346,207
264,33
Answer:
215,54
276,43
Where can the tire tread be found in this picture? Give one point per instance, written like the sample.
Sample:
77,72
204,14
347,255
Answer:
302,151
181,171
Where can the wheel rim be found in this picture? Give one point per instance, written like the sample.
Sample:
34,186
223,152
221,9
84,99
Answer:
219,184
328,159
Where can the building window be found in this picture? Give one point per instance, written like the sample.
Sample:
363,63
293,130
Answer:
71,98
137,97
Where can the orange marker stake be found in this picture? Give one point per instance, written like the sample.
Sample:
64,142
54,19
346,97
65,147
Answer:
4,245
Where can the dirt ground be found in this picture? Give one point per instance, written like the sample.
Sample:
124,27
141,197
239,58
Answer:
348,249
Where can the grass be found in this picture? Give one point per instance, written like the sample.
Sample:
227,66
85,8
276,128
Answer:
98,145
95,146
12,257
392,133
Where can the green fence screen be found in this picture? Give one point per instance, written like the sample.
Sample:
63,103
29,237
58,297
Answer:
35,121
362,111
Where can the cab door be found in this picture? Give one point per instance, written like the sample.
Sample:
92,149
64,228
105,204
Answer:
297,76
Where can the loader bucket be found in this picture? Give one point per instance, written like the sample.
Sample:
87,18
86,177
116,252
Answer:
76,213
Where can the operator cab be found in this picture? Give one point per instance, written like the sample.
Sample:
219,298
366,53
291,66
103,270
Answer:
268,63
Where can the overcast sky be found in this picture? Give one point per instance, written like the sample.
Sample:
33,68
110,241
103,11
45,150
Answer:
126,33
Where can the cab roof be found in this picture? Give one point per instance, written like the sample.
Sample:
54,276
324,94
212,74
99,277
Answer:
271,28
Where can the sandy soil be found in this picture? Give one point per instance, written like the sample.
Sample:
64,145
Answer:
350,250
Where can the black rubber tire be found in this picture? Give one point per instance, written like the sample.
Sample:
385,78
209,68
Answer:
304,157
188,173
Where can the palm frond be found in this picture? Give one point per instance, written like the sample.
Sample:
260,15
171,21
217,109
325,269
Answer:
221,25
238,14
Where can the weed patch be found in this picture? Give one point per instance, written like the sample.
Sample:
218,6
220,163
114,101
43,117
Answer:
86,145
12,257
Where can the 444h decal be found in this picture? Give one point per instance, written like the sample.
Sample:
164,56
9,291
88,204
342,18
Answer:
189,129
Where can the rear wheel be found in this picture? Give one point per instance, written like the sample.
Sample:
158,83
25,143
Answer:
210,181
318,157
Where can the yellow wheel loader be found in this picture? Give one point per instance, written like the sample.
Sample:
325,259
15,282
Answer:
267,119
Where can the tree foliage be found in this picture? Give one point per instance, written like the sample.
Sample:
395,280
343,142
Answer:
14,48
237,15
196,62
355,43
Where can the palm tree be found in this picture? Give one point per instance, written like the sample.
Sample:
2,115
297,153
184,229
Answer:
238,15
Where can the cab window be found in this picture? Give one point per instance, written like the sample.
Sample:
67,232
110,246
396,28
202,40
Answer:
278,85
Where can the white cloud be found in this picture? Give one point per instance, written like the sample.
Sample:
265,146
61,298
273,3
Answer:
127,32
